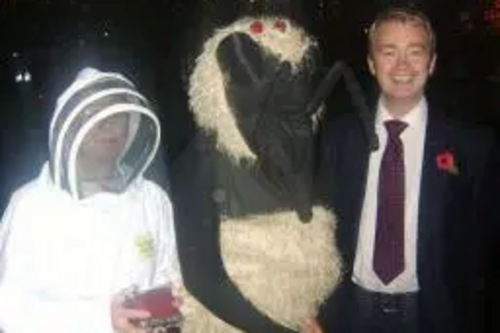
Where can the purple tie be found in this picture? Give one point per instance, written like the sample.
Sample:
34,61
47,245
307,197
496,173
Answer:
388,255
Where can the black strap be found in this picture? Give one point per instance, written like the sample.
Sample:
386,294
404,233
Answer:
326,87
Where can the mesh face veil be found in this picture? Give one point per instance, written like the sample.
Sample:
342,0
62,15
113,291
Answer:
93,97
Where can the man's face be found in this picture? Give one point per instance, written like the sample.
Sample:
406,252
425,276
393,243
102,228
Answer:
401,60
102,146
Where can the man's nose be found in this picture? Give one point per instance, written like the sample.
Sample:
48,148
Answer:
402,60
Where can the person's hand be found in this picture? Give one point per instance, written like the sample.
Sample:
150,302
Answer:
126,320
313,327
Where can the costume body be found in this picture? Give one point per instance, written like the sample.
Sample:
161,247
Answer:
256,253
448,217
64,255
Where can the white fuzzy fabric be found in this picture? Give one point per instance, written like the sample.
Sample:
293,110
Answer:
284,267
206,89
285,277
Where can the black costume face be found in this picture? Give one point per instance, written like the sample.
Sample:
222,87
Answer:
269,99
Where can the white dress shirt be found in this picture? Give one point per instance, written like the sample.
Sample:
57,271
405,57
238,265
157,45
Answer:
413,140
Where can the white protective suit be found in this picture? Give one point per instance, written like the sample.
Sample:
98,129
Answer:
63,256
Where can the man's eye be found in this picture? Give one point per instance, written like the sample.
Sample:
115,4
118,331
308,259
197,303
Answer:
418,51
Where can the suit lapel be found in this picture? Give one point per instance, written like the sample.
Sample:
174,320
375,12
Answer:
433,185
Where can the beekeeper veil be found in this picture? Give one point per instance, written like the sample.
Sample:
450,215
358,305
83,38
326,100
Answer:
92,99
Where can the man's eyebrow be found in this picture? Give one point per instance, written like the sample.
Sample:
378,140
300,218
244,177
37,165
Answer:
385,46
394,46
419,45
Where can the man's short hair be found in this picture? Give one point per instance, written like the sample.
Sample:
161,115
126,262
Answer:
405,15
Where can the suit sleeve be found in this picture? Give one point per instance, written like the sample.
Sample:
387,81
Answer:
487,286
21,309
473,243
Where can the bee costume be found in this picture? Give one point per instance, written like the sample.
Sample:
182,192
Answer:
257,249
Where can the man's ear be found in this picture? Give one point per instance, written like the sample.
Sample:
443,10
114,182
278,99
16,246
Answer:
432,64
371,65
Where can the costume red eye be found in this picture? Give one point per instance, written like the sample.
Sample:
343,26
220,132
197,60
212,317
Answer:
257,27
280,25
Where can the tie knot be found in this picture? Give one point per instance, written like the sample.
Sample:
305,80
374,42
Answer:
395,127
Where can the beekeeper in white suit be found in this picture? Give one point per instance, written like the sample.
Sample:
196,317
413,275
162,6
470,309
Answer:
89,226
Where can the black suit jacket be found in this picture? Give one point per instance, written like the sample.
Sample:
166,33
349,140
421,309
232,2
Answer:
449,223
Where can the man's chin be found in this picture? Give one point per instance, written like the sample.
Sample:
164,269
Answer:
404,97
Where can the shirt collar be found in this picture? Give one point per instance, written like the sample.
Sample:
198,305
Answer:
415,117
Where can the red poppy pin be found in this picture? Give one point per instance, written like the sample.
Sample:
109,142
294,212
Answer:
446,162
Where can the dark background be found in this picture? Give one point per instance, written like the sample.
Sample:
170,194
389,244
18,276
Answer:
43,43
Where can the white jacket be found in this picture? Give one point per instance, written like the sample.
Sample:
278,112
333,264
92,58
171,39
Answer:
62,258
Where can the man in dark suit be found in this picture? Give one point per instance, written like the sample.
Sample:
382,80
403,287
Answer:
409,227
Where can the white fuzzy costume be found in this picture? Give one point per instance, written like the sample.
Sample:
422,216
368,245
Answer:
284,267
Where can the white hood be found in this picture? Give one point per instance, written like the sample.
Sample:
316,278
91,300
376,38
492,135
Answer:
93,96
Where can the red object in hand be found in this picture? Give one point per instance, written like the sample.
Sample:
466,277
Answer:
159,302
